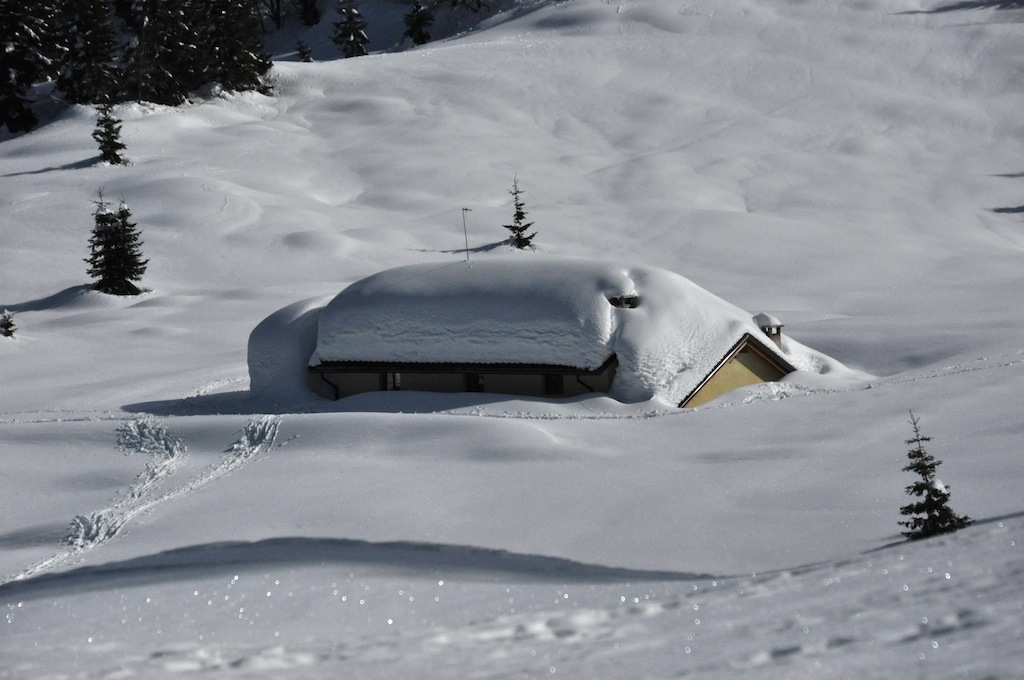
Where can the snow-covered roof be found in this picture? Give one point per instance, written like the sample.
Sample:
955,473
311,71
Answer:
532,309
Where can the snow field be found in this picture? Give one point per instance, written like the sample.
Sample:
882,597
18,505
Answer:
838,164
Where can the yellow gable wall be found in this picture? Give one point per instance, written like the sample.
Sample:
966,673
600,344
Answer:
747,367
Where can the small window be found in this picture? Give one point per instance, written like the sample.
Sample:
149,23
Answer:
624,301
554,384
392,381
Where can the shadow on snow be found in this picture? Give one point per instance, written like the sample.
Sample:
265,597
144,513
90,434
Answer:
65,298
409,559
77,165
971,4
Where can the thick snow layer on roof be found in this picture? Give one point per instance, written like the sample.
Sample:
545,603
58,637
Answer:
533,309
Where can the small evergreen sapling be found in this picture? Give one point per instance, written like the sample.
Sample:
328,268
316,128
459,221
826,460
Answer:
7,326
116,258
108,135
519,239
304,51
931,515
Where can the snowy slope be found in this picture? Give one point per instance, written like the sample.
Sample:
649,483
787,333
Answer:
851,167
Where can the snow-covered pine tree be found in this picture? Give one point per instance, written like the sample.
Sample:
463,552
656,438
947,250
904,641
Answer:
303,50
417,21
24,43
519,239
7,326
48,14
115,261
931,515
88,72
108,135
232,51
160,62
350,30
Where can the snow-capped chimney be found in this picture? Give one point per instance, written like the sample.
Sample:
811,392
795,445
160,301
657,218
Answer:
770,326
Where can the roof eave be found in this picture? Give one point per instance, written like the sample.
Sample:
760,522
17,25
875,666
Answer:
455,367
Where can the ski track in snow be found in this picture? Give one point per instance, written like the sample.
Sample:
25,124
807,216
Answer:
146,435
47,417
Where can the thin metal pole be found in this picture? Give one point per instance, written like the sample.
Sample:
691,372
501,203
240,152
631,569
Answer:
464,232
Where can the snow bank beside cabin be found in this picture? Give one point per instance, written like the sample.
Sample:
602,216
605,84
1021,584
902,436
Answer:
278,350
541,310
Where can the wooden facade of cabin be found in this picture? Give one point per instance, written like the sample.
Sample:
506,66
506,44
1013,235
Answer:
346,378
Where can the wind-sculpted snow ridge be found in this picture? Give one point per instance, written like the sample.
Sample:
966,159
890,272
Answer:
146,435
396,558
946,607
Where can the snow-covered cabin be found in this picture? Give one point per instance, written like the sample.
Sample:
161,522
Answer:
540,326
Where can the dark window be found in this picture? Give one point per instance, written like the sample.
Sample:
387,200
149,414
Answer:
474,382
624,301
554,384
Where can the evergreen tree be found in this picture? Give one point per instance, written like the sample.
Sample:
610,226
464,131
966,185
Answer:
474,5
275,8
161,59
305,54
519,239
115,261
108,135
309,12
23,60
49,15
7,326
931,515
349,30
123,11
232,52
417,21
87,70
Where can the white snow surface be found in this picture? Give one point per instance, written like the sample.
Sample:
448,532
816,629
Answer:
543,310
852,167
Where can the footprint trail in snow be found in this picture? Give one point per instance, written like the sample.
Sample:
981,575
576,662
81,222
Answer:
146,435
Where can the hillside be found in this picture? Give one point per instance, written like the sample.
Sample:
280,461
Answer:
853,168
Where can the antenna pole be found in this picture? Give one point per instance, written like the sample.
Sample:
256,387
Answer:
464,232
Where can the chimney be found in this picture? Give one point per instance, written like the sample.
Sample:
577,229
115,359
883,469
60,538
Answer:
771,327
